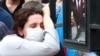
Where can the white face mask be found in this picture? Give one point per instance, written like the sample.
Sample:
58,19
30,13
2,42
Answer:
35,34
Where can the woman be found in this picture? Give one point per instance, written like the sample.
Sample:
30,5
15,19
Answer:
34,24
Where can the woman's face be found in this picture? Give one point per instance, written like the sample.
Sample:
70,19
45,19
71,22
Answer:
33,22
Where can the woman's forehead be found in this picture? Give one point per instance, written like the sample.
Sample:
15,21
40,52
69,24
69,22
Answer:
35,18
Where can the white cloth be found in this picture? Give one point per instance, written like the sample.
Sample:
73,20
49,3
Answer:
78,3
58,8
90,54
74,32
13,45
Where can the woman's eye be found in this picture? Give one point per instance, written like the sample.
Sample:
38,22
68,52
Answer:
42,26
33,25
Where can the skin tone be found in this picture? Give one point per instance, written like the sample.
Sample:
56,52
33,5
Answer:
38,21
34,21
48,23
12,5
73,23
12,1
58,1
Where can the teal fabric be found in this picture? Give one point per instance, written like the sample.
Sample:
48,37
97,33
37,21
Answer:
72,52
59,16
60,29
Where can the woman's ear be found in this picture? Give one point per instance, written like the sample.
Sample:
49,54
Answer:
20,31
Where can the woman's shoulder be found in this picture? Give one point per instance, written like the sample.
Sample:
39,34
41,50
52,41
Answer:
10,37
11,41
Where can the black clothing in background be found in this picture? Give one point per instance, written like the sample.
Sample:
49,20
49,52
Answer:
3,5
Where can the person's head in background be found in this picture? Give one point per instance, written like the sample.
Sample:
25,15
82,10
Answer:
33,4
33,0
29,23
13,4
58,1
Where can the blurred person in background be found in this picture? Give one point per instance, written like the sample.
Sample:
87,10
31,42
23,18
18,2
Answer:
78,9
33,0
3,30
6,18
31,4
11,5
6,23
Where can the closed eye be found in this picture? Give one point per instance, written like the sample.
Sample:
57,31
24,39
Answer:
33,25
42,25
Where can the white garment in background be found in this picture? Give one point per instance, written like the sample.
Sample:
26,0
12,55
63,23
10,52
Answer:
78,3
74,32
90,54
